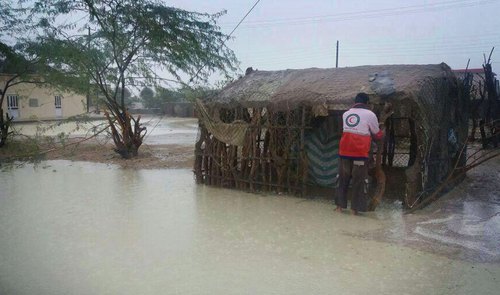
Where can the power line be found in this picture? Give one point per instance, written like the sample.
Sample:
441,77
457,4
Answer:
396,9
243,19
369,13
372,49
306,56
228,36
313,57
365,14
485,37
476,41
447,46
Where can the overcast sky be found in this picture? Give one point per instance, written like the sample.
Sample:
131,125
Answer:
282,34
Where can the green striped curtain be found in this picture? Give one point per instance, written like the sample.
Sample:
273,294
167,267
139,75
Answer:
322,148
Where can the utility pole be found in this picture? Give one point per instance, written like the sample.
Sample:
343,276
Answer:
88,85
337,56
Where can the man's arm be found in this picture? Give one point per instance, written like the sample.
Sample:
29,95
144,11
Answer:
386,113
377,133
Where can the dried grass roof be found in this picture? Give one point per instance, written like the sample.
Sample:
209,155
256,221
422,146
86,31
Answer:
289,88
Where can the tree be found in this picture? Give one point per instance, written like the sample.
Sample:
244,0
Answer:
149,99
183,94
23,63
12,67
129,99
191,94
19,67
7,16
168,95
128,40
10,62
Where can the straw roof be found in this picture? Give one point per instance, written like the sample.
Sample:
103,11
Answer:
288,88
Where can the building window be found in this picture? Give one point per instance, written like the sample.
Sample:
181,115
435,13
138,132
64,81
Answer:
57,101
12,102
33,102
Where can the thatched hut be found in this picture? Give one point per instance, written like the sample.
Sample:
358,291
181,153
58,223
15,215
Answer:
279,130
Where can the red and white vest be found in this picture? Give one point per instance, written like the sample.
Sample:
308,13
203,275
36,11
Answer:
359,124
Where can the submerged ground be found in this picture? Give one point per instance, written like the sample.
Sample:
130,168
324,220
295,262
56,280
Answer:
73,227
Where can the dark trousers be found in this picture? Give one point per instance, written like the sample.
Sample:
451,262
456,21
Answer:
357,171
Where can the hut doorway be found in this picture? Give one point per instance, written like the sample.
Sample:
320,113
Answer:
399,155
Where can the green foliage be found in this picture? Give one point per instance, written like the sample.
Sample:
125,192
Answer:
7,16
32,62
20,150
131,38
191,94
127,41
129,99
169,95
10,61
149,99
147,93
122,43
165,95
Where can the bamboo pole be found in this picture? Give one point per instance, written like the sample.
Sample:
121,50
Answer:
287,151
265,161
199,155
244,158
302,168
225,166
231,165
255,133
208,160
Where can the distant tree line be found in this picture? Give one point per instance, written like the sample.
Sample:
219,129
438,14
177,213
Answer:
161,95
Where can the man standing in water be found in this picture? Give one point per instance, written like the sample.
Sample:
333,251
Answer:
360,124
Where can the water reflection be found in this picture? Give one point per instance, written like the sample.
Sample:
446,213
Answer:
83,228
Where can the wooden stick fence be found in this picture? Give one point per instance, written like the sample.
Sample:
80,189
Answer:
273,157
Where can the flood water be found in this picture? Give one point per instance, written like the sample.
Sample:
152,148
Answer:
86,228
160,129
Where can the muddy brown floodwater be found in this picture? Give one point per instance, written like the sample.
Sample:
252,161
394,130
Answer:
86,228
89,228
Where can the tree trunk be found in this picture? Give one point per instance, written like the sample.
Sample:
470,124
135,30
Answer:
4,127
127,137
